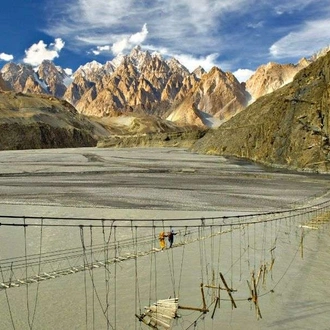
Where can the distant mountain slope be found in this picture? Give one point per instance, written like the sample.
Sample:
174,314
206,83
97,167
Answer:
272,76
289,127
35,121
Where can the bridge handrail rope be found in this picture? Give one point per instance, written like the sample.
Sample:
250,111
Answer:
120,222
124,247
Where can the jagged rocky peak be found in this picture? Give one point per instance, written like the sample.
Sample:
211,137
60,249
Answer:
138,57
89,69
176,66
52,78
16,76
198,72
212,100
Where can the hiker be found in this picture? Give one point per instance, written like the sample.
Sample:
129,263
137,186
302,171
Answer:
162,243
170,236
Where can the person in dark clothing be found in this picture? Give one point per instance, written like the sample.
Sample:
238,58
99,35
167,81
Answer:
170,237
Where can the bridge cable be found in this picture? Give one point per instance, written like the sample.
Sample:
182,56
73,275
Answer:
92,273
26,274
39,270
8,302
182,259
85,276
88,267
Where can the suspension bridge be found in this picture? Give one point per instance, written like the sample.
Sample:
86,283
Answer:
126,280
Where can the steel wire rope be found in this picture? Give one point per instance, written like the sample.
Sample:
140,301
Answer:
201,260
115,277
212,259
267,220
170,261
160,226
136,291
240,253
92,274
8,302
152,248
206,263
231,258
181,267
104,311
52,255
106,269
155,270
172,219
219,251
173,263
201,316
277,282
37,293
26,276
85,278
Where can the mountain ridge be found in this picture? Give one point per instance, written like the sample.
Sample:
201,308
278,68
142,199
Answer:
145,83
288,128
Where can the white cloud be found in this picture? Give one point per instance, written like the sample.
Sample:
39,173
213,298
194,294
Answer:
191,62
40,51
313,36
140,37
243,75
68,71
6,57
128,42
121,45
124,42
181,25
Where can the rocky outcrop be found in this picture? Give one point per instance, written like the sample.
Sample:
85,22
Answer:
289,127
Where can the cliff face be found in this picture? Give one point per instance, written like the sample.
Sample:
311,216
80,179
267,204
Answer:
32,122
289,127
3,85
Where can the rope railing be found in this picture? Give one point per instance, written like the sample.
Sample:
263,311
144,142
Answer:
71,260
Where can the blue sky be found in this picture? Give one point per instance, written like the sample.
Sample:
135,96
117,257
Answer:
235,35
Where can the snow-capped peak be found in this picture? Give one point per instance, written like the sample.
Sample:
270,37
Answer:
89,67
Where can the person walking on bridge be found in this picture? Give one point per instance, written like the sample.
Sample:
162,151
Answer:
162,242
170,236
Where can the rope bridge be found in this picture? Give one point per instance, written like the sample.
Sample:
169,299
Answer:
226,245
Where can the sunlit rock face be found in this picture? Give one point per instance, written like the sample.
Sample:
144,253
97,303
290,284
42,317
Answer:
272,76
288,127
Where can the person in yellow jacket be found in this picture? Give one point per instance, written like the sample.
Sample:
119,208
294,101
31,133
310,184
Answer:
162,243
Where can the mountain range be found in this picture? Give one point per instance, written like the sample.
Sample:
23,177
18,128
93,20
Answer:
289,127
146,84
278,117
